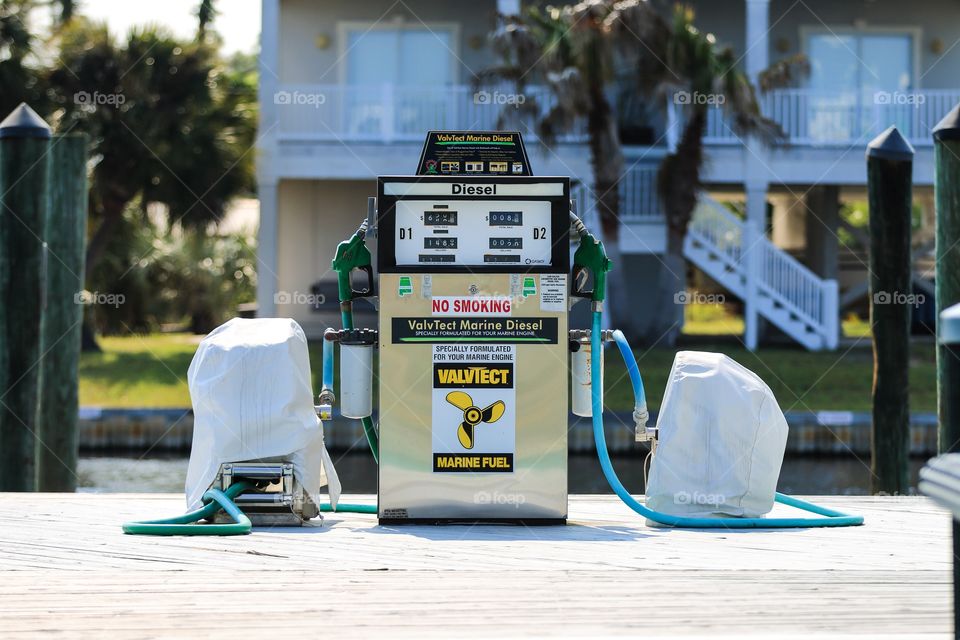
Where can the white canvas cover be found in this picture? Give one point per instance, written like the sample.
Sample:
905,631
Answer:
721,440
252,400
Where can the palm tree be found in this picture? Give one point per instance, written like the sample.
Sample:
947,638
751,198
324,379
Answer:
174,125
693,63
206,12
573,49
577,50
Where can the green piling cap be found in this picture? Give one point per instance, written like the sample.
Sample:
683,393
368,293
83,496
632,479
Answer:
890,145
23,122
949,127
950,325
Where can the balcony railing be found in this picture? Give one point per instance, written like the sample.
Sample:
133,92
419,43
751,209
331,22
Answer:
398,113
638,197
823,119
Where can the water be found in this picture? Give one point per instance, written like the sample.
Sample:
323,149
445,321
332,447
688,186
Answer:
358,474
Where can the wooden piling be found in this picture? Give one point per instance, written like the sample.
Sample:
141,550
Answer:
946,136
63,316
889,191
946,188
24,142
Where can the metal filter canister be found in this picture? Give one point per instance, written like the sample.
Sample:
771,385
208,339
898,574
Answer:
580,387
356,373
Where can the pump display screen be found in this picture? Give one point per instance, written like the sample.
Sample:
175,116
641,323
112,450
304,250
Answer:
441,217
506,218
439,242
473,233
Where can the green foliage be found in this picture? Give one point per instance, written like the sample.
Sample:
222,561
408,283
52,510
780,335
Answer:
169,121
183,276
17,75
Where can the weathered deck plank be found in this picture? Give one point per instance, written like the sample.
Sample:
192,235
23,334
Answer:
65,566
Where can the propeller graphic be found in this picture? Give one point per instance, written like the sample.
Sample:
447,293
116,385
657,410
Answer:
473,415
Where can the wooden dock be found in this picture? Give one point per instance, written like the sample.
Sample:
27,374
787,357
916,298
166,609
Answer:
66,568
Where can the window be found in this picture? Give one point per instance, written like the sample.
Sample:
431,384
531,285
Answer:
397,78
850,72
399,55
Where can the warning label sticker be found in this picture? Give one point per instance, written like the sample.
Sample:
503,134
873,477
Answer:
470,305
553,292
535,330
474,408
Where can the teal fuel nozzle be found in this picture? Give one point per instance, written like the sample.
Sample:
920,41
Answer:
590,259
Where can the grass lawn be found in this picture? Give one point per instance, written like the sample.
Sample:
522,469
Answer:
151,371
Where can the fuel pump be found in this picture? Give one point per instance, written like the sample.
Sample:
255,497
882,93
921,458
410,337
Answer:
473,286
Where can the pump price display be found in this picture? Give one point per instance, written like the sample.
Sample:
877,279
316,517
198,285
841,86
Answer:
506,218
439,218
481,239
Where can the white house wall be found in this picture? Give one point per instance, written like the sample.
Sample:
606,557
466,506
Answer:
301,21
314,217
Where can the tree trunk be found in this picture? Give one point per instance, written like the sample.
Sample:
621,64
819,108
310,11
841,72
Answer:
111,215
606,159
678,183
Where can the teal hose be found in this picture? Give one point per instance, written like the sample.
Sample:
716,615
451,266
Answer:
640,414
832,518
188,523
349,508
327,373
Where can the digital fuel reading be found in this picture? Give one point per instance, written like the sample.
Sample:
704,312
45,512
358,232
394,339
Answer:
473,233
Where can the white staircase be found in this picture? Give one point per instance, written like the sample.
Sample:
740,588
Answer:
786,293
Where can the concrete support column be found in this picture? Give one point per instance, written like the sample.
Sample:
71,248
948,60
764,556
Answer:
788,230
753,231
823,219
267,280
269,66
269,63
758,39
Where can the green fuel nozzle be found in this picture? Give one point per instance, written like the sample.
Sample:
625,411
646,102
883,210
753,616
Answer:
353,255
589,259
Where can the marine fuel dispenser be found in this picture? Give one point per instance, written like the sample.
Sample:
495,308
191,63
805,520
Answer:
473,267
473,287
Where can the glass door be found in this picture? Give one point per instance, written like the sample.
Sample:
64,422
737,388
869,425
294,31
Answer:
853,77
398,79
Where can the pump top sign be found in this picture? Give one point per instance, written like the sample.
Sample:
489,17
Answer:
474,153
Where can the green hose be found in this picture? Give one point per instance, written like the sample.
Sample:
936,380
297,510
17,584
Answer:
348,508
188,524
